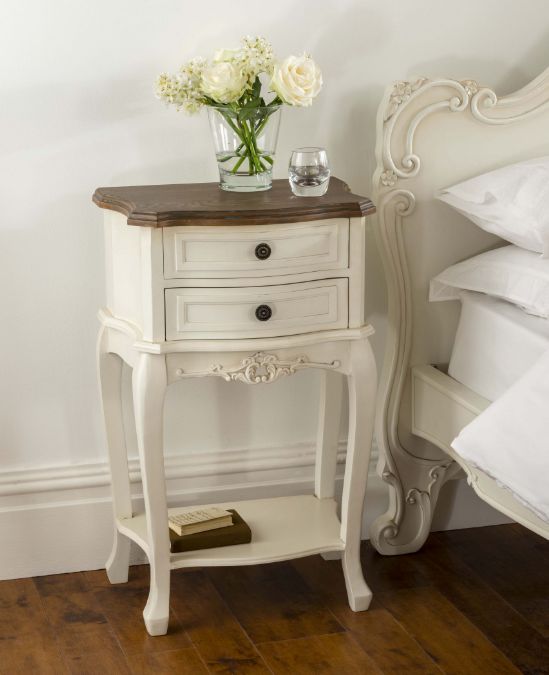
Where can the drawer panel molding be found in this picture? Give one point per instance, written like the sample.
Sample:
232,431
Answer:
257,311
270,251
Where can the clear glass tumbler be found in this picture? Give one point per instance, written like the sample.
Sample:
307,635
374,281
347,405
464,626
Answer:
309,172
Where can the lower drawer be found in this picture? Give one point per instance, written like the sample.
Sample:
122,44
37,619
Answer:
256,311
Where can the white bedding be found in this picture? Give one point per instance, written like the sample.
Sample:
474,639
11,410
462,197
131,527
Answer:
509,441
496,342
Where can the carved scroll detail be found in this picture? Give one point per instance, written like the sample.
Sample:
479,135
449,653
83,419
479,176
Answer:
402,95
414,482
260,368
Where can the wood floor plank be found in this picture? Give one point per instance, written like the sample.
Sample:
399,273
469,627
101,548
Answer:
139,577
376,631
60,584
82,631
107,661
472,601
215,632
73,610
80,626
506,628
455,644
77,641
27,639
123,606
177,662
512,568
30,654
21,610
540,544
386,572
336,654
272,602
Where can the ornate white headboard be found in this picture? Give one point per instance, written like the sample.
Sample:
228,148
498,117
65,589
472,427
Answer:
432,134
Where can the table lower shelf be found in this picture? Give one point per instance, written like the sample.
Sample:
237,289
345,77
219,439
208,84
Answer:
282,528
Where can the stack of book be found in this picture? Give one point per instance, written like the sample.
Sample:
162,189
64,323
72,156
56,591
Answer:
208,527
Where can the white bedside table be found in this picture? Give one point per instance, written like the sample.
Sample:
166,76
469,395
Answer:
251,288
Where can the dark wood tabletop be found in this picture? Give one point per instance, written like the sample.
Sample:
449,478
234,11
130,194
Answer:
207,204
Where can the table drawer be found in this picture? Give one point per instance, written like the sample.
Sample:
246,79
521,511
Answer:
257,311
257,251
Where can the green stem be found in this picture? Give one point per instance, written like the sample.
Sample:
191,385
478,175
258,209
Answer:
244,136
253,145
238,164
240,133
255,166
257,153
247,132
237,152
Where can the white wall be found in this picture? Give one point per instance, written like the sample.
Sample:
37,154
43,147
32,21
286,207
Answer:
77,111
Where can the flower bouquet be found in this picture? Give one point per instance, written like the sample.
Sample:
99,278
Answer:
233,86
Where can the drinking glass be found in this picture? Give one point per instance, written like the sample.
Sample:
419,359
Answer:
309,172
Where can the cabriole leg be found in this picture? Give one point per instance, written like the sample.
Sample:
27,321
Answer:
362,391
109,368
331,393
149,388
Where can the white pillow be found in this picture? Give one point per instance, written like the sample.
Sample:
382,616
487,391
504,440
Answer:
511,273
512,202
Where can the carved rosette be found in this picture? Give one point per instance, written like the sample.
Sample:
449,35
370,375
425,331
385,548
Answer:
260,368
388,178
402,91
470,86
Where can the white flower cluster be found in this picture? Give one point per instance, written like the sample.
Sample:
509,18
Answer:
183,89
256,57
232,78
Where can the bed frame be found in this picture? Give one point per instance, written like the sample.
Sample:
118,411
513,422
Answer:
431,134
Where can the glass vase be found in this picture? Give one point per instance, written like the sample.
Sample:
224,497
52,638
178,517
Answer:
245,143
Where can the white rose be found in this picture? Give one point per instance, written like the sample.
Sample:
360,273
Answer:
297,80
223,81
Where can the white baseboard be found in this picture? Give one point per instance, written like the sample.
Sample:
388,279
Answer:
59,519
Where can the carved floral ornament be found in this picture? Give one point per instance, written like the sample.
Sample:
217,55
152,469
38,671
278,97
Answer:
388,178
260,368
401,93
471,87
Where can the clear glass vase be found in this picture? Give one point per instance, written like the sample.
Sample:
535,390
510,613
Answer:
245,144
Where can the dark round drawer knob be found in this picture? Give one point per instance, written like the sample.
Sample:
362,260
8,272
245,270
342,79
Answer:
263,313
262,251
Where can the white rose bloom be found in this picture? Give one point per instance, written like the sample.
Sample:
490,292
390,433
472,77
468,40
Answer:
223,81
226,55
297,80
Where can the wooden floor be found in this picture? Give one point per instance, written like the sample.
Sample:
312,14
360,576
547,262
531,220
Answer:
473,601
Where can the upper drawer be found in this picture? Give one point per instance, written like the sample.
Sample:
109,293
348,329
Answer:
257,311
216,252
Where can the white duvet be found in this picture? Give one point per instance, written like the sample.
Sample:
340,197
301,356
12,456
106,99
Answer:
509,441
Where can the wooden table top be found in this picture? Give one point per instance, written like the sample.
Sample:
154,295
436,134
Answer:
207,204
